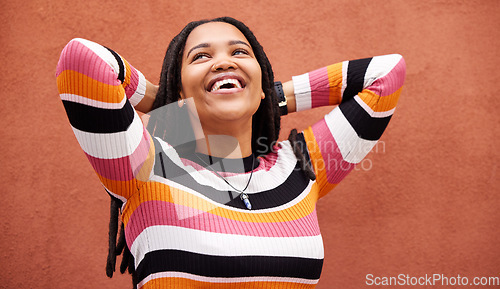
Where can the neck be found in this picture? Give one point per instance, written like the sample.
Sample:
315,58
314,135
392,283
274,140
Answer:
229,142
231,139
224,146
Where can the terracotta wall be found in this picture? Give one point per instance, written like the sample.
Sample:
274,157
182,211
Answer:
426,201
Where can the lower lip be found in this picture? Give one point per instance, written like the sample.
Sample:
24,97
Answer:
227,91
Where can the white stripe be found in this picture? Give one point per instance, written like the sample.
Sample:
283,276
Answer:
140,90
302,91
178,198
352,147
226,279
112,145
371,112
379,67
345,65
155,238
91,102
102,52
261,180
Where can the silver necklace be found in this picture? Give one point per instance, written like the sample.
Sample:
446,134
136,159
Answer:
243,195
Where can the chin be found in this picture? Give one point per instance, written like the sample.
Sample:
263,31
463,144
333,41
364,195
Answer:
227,111
232,115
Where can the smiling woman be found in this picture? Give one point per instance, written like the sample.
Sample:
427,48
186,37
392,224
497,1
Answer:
222,75
217,203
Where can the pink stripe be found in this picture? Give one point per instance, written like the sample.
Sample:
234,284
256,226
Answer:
390,83
268,161
78,57
138,157
320,94
134,82
161,213
333,162
113,169
125,168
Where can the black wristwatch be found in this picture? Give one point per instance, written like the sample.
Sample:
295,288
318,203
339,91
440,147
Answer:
281,98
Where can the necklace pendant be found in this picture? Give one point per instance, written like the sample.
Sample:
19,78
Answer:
246,200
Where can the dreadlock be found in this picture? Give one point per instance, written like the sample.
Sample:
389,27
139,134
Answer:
265,125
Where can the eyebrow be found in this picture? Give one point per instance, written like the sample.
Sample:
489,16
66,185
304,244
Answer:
204,45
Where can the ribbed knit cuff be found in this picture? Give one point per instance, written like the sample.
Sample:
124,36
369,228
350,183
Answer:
302,91
138,86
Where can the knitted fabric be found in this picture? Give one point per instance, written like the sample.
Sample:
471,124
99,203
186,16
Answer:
184,225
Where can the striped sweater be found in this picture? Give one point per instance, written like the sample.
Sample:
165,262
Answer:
182,226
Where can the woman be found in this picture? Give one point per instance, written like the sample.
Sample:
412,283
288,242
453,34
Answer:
199,210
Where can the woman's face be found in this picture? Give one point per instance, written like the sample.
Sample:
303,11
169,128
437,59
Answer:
221,74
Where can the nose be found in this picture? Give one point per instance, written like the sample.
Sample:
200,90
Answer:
224,63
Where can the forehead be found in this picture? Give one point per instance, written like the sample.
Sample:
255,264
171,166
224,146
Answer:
213,32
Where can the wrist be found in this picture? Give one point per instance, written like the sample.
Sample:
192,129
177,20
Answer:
290,96
282,100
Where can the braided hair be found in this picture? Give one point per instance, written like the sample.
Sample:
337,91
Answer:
265,125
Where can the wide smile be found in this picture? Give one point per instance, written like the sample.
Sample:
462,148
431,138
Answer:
226,83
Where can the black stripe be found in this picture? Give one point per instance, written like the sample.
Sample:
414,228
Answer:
121,72
367,127
223,266
293,186
356,71
99,120
162,166
290,189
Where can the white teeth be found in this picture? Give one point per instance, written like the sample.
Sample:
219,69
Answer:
220,83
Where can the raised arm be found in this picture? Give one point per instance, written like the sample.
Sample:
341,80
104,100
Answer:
146,104
367,91
98,88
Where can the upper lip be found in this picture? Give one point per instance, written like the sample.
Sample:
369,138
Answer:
225,75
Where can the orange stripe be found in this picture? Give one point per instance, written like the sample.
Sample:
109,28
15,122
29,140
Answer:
177,282
73,82
155,191
122,188
335,83
128,73
317,162
380,104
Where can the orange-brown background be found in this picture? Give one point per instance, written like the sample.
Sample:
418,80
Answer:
426,202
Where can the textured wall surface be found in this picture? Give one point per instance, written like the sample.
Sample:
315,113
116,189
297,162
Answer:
425,201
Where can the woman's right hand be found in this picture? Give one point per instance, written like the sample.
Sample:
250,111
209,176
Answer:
146,103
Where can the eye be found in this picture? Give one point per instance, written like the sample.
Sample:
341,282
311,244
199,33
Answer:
240,51
200,56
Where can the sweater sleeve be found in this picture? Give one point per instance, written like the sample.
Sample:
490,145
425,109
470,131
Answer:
98,89
366,91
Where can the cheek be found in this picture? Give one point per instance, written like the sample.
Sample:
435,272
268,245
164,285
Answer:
192,79
257,75
183,79
187,83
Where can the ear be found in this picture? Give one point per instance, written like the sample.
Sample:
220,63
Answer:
181,101
263,95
